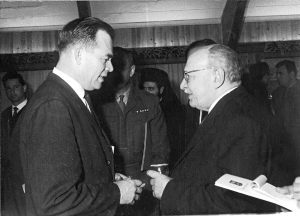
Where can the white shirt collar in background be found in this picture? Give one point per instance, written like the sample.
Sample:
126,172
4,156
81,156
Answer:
20,106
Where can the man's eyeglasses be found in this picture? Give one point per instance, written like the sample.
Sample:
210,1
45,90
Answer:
186,76
106,59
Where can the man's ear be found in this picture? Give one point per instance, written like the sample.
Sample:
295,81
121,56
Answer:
219,77
25,88
161,90
292,75
77,52
132,70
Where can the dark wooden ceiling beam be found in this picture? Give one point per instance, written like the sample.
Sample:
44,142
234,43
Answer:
84,9
232,21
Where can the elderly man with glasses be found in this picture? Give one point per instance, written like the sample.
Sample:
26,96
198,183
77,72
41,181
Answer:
234,138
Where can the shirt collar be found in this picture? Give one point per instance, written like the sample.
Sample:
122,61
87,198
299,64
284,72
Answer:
71,82
219,98
126,95
20,105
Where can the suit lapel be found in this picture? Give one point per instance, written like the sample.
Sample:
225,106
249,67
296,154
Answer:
131,103
91,117
198,137
207,126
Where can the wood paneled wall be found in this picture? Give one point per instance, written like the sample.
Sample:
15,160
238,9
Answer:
270,31
27,42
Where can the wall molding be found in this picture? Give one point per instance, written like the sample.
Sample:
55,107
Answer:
144,56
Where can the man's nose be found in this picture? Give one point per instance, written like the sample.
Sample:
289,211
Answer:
183,85
109,66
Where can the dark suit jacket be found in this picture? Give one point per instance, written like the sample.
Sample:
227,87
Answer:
234,138
139,134
67,160
7,125
12,196
286,103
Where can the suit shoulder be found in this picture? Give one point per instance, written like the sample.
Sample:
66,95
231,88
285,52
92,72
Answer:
6,110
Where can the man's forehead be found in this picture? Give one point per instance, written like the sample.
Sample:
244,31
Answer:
197,58
13,81
150,83
282,69
103,38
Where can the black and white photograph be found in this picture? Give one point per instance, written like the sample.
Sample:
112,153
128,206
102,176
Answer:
150,107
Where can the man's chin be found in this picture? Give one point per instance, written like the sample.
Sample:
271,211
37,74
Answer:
192,104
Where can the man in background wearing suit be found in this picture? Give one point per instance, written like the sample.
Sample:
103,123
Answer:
286,101
66,158
12,199
234,138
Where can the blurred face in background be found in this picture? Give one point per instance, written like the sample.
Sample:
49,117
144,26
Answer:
15,91
283,76
152,88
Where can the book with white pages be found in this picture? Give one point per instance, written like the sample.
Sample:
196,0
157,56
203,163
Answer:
258,188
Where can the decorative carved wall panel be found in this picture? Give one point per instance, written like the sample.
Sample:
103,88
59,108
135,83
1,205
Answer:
146,56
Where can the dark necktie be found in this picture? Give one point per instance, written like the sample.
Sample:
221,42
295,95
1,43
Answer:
89,101
121,103
15,112
13,120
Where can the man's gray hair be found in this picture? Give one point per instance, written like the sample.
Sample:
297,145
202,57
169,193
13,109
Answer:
222,56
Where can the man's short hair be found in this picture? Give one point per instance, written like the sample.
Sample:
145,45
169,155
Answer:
198,44
289,65
155,75
13,75
122,57
258,70
223,57
82,31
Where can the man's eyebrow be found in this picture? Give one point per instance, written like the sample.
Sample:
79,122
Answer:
186,72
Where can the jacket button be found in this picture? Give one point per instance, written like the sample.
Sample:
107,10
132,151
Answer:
108,162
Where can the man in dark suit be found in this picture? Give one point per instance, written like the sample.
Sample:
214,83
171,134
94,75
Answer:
136,125
194,116
234,138
12,198
156,82
287,108
66,158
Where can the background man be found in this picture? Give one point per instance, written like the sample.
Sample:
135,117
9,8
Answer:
156,82
12,196
136,126
287,109
234,138
66,158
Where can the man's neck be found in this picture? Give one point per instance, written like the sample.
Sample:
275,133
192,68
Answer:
19,102
124,89
293,82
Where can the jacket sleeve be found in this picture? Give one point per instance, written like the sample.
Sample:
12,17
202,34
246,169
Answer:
159,138
54,172
241,150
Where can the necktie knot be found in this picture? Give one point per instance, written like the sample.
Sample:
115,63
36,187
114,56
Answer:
121,102
122,98
15,111
88,101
